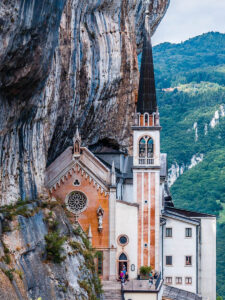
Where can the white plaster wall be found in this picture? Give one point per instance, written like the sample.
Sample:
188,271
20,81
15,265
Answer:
208,258
128,193
155,135
141,296
127,223
179,246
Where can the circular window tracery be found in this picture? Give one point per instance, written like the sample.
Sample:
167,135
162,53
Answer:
76,202
123,240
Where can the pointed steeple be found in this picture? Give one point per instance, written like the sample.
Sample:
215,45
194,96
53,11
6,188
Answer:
146,93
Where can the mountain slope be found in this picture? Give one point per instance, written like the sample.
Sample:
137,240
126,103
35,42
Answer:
191,94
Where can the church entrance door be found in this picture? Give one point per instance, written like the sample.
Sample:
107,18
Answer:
123,261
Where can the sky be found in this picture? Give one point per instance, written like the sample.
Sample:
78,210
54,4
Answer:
188,18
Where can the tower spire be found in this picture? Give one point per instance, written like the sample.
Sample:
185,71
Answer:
146,93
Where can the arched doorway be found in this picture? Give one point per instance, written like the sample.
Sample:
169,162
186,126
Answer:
122,261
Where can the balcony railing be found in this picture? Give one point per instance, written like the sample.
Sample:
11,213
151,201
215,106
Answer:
146,161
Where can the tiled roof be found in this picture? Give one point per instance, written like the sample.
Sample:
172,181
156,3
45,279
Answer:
172,293
188,213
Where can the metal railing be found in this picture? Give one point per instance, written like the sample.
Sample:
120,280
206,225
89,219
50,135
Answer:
146,161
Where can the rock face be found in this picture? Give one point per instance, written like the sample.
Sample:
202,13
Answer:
63,62
28,275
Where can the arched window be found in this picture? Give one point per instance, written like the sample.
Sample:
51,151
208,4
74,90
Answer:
146,148
123,256
150,148
142,148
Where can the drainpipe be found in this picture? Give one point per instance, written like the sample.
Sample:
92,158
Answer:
197,247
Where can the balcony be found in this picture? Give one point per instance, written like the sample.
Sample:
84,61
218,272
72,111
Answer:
146,161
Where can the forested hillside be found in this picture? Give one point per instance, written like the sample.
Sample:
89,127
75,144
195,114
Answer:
190,80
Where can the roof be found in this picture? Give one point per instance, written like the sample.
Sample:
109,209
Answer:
147,93
189,213
173,293
107,158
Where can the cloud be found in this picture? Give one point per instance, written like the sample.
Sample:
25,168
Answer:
188,18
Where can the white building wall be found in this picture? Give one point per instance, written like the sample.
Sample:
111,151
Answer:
207,273
179,246
128,193
126,223
141,296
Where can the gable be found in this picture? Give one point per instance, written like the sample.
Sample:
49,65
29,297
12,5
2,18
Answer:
65,165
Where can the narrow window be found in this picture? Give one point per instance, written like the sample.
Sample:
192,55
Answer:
188,260
188,232
168,232
146,119
142,145
169,260
150,148
100,262
188,280
169,280
178,280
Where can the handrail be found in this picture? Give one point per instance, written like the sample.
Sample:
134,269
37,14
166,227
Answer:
158,281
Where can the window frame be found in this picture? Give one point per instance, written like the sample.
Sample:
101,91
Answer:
177,280
167,281
146,146
187,279
169,236
186,230
188,265
169,265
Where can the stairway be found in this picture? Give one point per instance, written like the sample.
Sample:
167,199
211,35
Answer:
112,290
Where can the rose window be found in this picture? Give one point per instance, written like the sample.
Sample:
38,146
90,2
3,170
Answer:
76,202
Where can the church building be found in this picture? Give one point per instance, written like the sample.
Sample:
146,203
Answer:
123,204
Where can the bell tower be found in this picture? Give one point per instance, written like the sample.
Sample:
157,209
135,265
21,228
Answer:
146,160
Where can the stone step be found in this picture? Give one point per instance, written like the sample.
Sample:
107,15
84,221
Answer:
112,296
112,290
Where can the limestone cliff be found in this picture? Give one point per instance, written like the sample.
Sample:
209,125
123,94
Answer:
63,62
42,256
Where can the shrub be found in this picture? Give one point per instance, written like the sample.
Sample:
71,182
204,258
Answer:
7,259
54,247
9,274
145,270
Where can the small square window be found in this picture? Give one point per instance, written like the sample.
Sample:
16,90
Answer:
169,232
188,232
188,280
169,280
169,260
178,280
188,260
